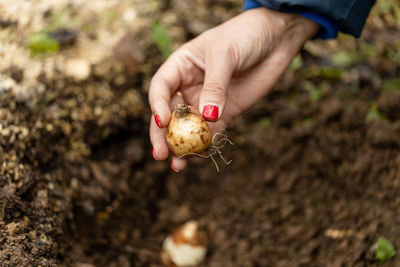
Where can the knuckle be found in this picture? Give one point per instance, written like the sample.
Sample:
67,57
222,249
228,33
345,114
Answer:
233,55
214,88
231,51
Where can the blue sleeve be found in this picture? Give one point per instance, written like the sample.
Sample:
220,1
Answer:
328,30
347,16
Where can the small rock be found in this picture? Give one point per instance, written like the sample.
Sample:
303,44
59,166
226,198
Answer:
129,15
64,36
381,133
7,191
12,228
287,182
269,176
42,198
388,103
197,27
88,207
16,73
331,108
77,69
183,213
4,23
287,211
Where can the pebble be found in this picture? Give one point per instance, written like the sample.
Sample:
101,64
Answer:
77,69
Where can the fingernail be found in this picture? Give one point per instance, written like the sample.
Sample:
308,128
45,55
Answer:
158,120
172,167
154,155
210,112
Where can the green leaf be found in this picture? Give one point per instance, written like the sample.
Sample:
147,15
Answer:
345,59
265,122
162,39
328,73
393,54
296,63
384,251
240,140
40,43
368,49
89,28
373,113
315,93
391,84
384,7
56,19
308,122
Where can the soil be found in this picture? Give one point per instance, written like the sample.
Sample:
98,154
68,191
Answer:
315,176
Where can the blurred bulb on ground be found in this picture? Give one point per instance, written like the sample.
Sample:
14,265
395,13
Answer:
186,246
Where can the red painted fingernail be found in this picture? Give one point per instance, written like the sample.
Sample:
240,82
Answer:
172,167
158,120
154,155
210,112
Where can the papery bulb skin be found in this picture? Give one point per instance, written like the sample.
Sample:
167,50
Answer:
187,132
186,246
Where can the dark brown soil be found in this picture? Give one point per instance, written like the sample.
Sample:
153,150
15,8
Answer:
313,182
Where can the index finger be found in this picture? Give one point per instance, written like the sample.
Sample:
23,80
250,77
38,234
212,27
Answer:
163,85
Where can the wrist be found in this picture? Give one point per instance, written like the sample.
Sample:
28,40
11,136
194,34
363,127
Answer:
301,28
291,31
291,26
327,30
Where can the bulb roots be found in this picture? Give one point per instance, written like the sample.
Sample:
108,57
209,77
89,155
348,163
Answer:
218,141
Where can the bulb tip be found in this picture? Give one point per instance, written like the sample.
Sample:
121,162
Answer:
182,109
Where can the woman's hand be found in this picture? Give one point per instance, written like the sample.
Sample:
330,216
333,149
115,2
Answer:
225,70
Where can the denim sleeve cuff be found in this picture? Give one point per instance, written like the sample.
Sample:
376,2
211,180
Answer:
250,4
328,30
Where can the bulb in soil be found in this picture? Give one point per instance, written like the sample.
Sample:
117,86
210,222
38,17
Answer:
186,246
187,132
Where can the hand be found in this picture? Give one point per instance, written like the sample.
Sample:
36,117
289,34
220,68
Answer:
225,70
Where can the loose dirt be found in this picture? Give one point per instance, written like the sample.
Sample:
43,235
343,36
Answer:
315,177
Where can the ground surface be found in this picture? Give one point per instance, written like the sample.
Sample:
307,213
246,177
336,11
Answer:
315,178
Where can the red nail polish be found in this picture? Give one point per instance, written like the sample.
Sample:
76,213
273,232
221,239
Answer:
158,120
172,167
154,156
210,112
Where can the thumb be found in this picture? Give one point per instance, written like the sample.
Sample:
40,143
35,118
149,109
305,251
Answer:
218,73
